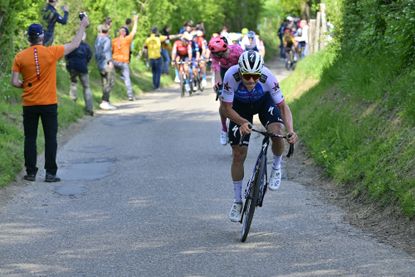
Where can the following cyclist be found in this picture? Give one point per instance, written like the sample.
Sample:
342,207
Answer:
181,55
250,88
202,43
223,57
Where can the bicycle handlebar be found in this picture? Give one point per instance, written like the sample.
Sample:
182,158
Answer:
271,135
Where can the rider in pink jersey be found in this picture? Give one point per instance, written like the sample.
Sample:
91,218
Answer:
223,57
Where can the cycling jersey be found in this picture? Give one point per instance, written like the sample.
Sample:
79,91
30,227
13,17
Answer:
261,100
181,48
235,51
233,87
195,48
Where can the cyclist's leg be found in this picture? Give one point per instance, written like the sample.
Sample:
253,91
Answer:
270,117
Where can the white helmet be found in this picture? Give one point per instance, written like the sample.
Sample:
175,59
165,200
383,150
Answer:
250,62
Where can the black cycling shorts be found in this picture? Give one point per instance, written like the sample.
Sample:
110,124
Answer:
266,109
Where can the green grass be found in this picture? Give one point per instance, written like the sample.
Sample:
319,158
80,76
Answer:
11,127
357,119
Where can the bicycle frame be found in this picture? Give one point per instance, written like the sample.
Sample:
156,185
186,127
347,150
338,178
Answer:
257,184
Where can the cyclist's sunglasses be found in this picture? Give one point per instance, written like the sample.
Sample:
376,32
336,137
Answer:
248,76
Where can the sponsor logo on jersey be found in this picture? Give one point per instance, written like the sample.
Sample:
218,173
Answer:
237,76
263,78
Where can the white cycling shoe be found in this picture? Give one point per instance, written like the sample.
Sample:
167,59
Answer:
235,212
223,137
275,179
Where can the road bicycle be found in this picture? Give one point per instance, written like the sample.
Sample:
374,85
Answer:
258,182
197,79
290,58
184,79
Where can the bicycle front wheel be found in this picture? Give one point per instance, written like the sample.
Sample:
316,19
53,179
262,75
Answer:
251,200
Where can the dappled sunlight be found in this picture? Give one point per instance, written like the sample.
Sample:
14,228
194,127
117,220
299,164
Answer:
11,233
17,269
321,272
139,203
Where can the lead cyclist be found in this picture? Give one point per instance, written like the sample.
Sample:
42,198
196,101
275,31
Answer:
250,88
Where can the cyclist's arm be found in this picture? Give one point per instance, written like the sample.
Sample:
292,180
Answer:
189,51
288,121
174,53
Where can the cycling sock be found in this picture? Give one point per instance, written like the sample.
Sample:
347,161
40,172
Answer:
237,190
276,163
224,126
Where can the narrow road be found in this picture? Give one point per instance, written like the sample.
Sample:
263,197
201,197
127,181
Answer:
146,191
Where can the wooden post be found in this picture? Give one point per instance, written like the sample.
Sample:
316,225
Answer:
317,33
323,31
311,36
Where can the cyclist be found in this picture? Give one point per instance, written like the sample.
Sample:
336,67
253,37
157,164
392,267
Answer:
182,52
202,43
195,58
290,46
250,88
223,56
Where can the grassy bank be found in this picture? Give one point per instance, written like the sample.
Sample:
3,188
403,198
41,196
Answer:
357,119
11,128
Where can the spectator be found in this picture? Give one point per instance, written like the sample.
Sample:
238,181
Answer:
153,46
50,16
77,66
121,55
37,66
302,38
165,50
103,58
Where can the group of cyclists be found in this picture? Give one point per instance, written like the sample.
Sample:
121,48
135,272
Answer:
293,35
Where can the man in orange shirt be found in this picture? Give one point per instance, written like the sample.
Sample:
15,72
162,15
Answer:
121,55
37,66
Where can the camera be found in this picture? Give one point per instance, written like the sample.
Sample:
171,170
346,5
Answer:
82,15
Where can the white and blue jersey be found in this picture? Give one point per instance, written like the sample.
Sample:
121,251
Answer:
263,100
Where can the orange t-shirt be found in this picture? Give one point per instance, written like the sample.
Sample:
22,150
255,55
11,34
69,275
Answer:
39,81
121,48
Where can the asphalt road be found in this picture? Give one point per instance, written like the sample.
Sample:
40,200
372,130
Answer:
146,191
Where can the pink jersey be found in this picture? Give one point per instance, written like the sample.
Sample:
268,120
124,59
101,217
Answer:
235,50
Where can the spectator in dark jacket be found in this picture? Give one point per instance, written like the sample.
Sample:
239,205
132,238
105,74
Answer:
77,66
50,17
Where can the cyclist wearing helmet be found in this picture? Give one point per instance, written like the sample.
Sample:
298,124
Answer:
182,52
223,57
250,88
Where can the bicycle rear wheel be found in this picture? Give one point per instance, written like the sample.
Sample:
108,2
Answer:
251,201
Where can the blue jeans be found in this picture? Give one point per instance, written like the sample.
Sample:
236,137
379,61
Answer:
156,65
166,61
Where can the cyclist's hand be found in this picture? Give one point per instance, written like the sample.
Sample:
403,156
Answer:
217,86
292,137
245,128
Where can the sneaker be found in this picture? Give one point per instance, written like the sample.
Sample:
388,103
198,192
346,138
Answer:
30,177
131,98
106,106
52,178
90,113
177,80
223,137
187,87
203,83
275,179
235,212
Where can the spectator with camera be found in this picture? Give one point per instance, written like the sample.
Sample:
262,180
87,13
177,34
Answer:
37,67
50,16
